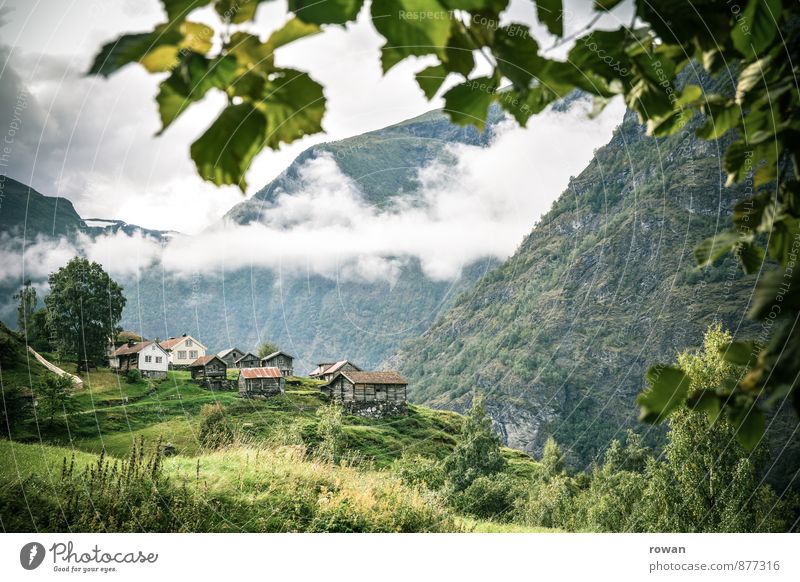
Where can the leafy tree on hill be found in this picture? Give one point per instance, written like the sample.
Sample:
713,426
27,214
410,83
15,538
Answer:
267,348
26,298
477,452
758,46
83,309
54,399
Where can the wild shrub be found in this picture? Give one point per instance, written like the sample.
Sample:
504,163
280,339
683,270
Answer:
490,497
215,429
133,376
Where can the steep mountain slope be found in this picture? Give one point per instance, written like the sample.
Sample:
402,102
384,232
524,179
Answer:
605,285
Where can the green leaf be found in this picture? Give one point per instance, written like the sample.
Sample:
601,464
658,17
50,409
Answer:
411,27
190,81
131,48
738,162
251,53
739,353
180,9
721,119
430,79
468,103
327,11
224,152
293,105
293,30
523,104
749,424
750,256
458,53
756,28
708,402
517,55
751,75
668,388
715,246
237,11
782,238
551,14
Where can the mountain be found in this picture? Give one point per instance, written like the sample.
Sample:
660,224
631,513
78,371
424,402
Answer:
605,285
27,213
384,163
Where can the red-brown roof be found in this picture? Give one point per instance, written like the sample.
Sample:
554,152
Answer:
250,373
126,349
374,377
204,360
323,369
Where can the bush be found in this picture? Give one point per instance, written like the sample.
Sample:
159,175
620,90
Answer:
419,471
133,376
330,432
490,497
215,430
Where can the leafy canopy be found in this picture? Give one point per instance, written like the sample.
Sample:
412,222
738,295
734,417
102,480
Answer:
756,47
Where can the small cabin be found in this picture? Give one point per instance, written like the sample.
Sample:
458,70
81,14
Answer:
327,371
371,394
281,360
230,356
249,360
210,371
261,382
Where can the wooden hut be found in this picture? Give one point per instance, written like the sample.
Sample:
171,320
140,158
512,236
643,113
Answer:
230,356
372,394
281,360
210,371
261,382
248,360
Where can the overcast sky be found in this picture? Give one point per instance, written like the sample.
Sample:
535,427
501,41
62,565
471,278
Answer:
92,140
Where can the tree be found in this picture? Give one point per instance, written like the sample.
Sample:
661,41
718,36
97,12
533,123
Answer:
477,451
39,333
652,64
54,398
267,348
83,309
26,298
552,458
708,482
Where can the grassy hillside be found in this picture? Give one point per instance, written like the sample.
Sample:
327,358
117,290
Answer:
605,285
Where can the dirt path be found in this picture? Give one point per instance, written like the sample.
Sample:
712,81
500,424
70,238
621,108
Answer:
55,369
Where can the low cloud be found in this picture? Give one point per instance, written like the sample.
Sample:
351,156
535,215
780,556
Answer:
477,202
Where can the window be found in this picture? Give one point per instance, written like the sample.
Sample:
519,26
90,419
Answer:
189,343
148,359
182,355
193,354
158,359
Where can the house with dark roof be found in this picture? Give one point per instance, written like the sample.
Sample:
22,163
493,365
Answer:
230,356
281,360
249,360
183,350
211,371
371,394
148,357
326,371
261,382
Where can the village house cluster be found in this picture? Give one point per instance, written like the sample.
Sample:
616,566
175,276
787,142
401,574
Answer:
358,391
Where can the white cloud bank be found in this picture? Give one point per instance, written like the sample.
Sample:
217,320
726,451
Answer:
480,203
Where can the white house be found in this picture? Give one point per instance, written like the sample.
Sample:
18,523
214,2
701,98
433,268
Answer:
183,350
147,357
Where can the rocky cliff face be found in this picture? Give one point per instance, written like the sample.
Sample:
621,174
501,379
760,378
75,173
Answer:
559,337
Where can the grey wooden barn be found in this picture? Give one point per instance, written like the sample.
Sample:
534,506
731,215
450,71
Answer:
261,382
281,360
372,394
249,360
